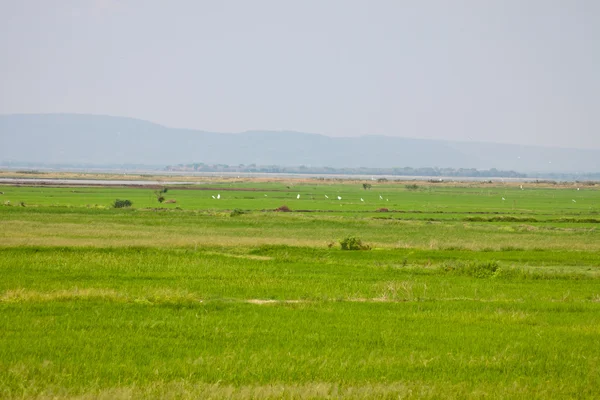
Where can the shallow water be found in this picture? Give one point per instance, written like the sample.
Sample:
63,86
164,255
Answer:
93,181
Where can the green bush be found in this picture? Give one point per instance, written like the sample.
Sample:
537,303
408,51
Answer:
486,269
236,212
412,186
122,203
353,243
159,194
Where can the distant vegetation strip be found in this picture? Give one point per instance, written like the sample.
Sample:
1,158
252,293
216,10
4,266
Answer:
302,169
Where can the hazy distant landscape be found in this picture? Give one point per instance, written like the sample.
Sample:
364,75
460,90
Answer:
299,200
72,139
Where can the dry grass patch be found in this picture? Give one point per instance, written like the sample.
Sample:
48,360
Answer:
159,296
317,390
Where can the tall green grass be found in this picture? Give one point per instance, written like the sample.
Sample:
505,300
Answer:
206,302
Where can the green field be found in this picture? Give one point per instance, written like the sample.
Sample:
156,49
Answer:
468,290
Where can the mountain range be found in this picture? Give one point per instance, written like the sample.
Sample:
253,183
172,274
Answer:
106,140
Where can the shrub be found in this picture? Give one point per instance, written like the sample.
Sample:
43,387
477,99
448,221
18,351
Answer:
353,243
486,269
412,186
159,194
482,270
283,208
122,203
236,212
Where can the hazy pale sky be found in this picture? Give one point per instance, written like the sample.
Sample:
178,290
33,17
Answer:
512,71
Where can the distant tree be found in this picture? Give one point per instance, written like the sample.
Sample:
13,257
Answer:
160,194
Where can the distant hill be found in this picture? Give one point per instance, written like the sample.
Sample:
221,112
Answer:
104,140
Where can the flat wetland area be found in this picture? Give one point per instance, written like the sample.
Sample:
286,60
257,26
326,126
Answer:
462,290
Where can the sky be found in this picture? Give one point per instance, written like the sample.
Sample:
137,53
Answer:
506,71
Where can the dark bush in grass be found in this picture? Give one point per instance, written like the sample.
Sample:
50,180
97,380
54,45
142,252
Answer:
122,203
412,186
353,243
236,212
283,208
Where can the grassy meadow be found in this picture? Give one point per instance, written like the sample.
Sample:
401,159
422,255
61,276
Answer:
465,290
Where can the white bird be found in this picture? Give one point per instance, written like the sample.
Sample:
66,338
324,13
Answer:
361,199
326,196
521,187
214,197
218,196
503,198
577,188
380,198
298,196
265,195
574,201
339,198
